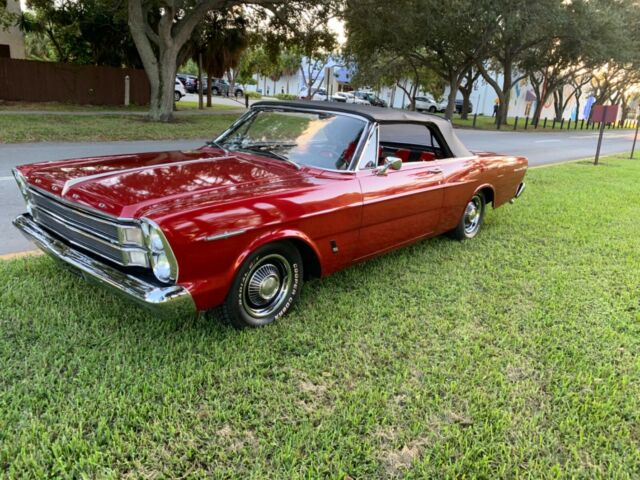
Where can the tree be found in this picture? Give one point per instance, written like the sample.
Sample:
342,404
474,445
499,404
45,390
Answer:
161,28
584,36
399,72
410,30
466,88
519,26
313,43
92,32
218,42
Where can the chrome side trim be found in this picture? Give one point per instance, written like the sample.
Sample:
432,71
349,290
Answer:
220,236
174,300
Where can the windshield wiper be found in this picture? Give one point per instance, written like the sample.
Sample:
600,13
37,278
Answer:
260,148
213,143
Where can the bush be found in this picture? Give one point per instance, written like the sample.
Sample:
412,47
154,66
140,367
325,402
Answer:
255,95
285,96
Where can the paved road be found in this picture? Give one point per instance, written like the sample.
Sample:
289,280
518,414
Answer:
540,148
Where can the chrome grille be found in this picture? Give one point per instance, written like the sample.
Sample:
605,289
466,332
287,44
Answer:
77,237
106,228
86,229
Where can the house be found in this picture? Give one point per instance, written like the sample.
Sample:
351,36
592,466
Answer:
11,39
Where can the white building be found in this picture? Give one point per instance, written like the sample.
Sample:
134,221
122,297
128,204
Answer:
483,97
12,39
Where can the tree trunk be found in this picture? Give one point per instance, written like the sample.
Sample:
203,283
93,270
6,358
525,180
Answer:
558,104
163,89
200,103
451,101
470,79
209,87
493,83
503,111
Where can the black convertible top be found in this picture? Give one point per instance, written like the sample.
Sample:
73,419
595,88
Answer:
379,115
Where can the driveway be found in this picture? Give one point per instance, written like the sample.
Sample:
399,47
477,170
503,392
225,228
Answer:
540,148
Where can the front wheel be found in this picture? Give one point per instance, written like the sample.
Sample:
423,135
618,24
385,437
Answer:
177,96
265,287
471,220
432,109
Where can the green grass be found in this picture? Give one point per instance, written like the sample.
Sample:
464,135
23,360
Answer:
484,122
70,107
61,128
514,355
65,107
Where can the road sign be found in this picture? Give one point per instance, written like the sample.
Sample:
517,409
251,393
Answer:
604,113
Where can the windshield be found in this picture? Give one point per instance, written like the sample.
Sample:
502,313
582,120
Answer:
324,140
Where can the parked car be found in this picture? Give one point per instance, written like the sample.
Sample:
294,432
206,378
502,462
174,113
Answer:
179,91
290,191
459,106
426,103
319,94
349,97
220,86
372,98
190,82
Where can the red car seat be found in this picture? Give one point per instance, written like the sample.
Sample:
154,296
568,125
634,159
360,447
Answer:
427,156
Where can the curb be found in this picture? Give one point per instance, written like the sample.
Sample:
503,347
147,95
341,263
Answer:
29,253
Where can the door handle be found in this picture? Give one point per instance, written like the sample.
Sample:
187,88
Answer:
434,170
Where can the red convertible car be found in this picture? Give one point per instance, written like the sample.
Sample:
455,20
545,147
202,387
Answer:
290,191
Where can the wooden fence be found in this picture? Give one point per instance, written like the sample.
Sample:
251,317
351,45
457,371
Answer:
31,81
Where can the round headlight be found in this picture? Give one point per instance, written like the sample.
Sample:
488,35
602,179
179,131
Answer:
161,267
155,241
161,258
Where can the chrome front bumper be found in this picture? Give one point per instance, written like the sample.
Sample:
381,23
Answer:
172,300
518,192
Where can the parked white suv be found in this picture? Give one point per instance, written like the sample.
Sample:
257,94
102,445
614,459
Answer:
426,103
179,90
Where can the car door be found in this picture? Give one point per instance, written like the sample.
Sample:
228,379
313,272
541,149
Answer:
399,207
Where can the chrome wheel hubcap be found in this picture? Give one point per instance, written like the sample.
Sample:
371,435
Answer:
472,215
267,286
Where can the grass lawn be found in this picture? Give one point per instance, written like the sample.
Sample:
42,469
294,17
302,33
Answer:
62,128
485,122
70,107
512,355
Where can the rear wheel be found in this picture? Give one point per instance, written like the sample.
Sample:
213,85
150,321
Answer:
471,220
265,287
177,96
432,109
215,91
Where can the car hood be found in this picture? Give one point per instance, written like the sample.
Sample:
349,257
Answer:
148,184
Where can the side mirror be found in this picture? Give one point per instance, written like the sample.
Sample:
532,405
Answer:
394,163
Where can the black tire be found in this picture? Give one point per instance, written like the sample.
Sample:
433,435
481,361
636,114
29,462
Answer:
177,96
471,219
432,109
215,91
266,286
239,93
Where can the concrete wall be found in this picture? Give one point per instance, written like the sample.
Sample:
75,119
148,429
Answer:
12,36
